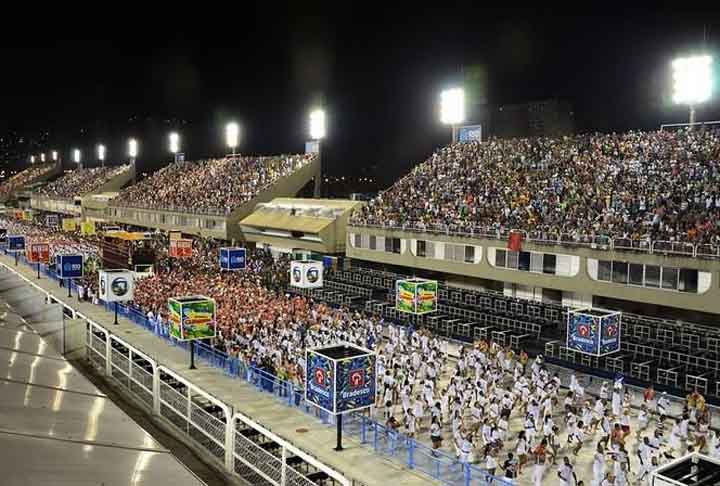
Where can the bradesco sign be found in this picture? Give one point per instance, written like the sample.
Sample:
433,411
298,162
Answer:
69,266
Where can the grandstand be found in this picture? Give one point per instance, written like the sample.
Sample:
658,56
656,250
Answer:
210,197
25,178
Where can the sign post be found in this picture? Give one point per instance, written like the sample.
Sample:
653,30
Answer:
116,286
16,243
191,318
339,379
38,253
232,259
69,267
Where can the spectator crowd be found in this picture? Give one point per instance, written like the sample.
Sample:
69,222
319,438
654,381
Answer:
22,179
660,185
81,181
214,185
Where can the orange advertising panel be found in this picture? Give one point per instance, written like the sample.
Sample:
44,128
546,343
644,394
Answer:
38,253
181,248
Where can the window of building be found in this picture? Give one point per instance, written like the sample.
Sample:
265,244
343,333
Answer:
688,280
604,270
549,263
524,261
652,276
500,256
620,272
469,254
669,278
373,242
512,260
357,240
421,248
636,274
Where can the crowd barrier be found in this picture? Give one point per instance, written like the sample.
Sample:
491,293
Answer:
178,409
595,242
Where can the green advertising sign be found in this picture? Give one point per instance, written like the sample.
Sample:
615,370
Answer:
405,301
192,318
426,297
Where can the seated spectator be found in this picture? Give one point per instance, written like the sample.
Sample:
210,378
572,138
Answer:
81,181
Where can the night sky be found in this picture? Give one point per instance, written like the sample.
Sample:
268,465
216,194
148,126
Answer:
378,73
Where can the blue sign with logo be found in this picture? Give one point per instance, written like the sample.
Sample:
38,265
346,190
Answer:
356,382
470,133
610,341
320,381
583,333
232,259
16,243
69,266
3,236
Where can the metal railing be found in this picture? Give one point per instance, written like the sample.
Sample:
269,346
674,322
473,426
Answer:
595,242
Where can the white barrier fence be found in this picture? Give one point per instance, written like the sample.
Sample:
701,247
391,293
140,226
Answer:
242,445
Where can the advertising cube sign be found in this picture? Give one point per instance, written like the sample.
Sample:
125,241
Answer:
416,295
16,243
117,285
192,317
340,378
38,253
306,274
181,248
232,259
69,266
594,331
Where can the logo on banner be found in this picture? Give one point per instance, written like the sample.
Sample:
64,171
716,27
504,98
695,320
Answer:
357,378
320,377
119,286
297,275
584,330
312,274
612,330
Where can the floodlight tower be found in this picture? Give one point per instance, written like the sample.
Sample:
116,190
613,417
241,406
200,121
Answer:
174,138
101,154
452,109
132,150
692,82
42,157
77,157
232,136
318,129
32,159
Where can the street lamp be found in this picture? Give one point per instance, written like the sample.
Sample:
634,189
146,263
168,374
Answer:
692,82
174,144
54,155
32,159
452,108
132,149
232,136
76,157
42,157
101,154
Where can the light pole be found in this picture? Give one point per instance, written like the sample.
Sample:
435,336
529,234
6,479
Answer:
54,155
101,154
452,109
132,150
32,159
232,136
318,129
692,82
174,144
42,157
77,157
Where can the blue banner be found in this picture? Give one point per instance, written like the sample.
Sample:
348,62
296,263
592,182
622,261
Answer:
582,333
232,259
470,133
610,342
356,383
69,266
320,381
3,236
16,243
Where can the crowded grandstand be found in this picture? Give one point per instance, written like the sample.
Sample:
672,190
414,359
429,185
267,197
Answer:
658,185
215,186
80,181
22,179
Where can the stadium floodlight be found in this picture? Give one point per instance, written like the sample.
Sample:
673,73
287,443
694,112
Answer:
692,81
42,157
132,148
232,135
32,159
317,124
76,156
174,143
54,155
452,108
101,153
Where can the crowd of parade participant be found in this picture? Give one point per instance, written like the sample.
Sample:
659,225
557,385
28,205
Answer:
81,181
490,406
59,241
659,185
217,185
22,179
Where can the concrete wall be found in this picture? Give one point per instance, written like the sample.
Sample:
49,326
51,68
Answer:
581,284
